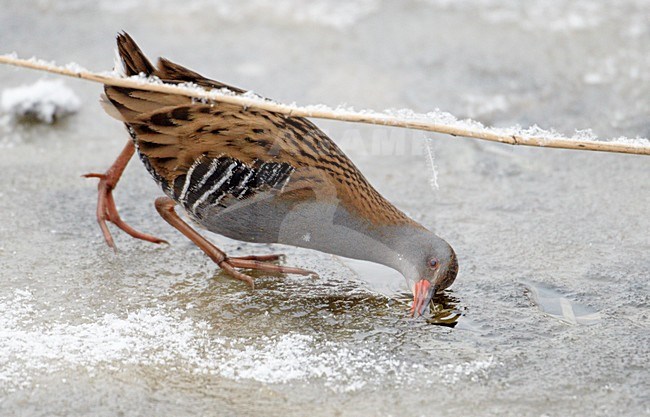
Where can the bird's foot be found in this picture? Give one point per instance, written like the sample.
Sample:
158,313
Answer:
165,207
263,258
262,263
107,211
259,263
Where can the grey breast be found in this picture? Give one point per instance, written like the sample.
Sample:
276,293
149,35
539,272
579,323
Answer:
239,201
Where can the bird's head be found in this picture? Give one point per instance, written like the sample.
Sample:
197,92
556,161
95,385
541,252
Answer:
435,268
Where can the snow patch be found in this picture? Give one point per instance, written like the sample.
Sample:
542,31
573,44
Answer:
172,341
45,101
473,370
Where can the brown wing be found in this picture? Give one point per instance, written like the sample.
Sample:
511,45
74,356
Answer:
179,138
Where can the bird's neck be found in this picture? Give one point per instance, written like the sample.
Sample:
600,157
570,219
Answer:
346,234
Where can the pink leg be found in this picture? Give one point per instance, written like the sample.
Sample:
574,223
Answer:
165,207
106,210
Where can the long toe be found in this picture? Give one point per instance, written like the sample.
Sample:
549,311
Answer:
267,267
261,258
230,269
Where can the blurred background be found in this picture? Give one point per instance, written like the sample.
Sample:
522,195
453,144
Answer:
549,314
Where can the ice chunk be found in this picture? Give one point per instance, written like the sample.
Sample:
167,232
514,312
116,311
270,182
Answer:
555,304
44,101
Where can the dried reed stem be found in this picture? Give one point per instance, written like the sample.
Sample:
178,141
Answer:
638,146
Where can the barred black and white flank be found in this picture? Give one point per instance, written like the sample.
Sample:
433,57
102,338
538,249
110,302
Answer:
215,182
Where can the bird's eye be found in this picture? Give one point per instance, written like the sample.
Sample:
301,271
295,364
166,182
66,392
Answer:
433,263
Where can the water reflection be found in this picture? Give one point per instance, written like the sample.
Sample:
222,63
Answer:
445,310
332,305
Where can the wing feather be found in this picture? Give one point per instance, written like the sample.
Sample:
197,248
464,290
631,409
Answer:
178,138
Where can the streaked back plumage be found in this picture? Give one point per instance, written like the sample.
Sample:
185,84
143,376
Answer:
173,132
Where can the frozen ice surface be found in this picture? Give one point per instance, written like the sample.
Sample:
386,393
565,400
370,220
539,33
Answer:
338,14
45,101
555,16
159,331
154,337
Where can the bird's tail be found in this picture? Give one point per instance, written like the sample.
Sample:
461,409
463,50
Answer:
127,104
134,62
133,59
